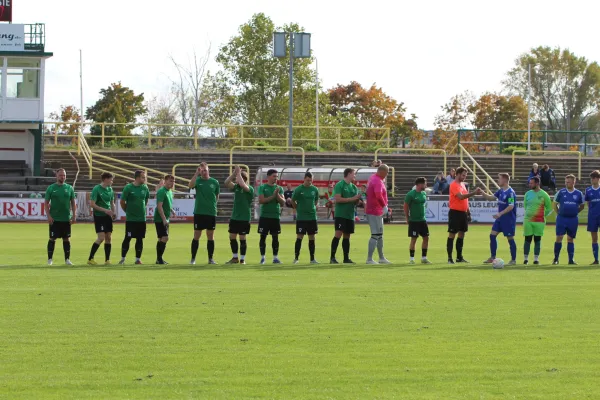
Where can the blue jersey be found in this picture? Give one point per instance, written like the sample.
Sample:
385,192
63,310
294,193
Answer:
507,198
592,196
568,202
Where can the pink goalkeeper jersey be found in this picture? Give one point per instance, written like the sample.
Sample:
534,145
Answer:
376,196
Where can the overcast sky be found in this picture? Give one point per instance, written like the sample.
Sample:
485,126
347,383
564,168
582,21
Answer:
420,52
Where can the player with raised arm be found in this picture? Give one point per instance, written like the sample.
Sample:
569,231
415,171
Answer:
134,200
162,215
458,216
305,199
567,205
415,208
102,201
205,210
61,211
592,196
270,198
239,224
537,205
505,220
346,196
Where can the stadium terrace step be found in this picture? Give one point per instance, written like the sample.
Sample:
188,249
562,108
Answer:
407,166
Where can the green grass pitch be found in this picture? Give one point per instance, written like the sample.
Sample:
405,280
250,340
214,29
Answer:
295,331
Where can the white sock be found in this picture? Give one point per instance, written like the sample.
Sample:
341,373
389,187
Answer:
235,255
526,257
122,258
423,258
137,259
412,259
243,257
536,258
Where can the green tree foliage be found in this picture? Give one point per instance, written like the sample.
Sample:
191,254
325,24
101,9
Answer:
565,88
118,104
258,82
68,115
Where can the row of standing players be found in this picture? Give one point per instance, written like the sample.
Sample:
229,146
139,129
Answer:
61,211
568,203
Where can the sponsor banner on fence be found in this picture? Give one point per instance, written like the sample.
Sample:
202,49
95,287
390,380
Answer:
481,211
19,209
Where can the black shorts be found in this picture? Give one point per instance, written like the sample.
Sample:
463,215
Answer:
60,230
135,229
269,226
345,225
307,227
161,230
239,227
457,221
103,223
204,222
418,228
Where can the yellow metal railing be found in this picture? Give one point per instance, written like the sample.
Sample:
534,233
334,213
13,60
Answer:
473,170
440,151
213,165
234,133
231,164
578,153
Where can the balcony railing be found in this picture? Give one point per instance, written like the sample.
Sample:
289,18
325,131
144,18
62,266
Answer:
35,37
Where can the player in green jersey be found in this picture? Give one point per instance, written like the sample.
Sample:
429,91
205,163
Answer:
305,199
415,208
102,201
205,210
537,205
346,195
239,224
162,214
134,200
270,198
61,211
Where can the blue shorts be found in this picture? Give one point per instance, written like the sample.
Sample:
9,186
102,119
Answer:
567,225
506,226
593,223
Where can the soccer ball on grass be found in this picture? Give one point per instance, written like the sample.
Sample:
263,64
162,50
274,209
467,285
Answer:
498,263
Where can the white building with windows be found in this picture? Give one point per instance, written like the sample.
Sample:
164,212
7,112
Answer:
22,61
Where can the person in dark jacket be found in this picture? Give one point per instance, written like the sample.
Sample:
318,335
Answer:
535,171
547,177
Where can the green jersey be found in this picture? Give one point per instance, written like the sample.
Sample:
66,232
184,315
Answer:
102,196
207,191
347,190
136,198
537,206
416,205
60,197
271,209
306,199
242,203
164,196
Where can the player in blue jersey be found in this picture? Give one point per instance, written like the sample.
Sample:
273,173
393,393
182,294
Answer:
568,202
592,196
506,218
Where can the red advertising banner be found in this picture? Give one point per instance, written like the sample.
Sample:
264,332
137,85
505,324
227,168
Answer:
6,10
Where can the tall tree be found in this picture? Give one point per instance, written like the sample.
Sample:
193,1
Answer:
161,115
118,104
494,111
371,108
565,88
258,81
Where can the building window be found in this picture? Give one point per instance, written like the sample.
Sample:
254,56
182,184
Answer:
23,62
22,83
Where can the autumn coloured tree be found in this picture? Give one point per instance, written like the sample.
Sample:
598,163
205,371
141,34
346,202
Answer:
117,104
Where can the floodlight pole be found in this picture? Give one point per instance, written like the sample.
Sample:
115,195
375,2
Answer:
291,109
317,105
528,112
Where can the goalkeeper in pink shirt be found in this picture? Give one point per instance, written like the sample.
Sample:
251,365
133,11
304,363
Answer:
376,208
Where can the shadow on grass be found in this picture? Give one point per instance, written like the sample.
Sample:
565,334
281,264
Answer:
299,267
